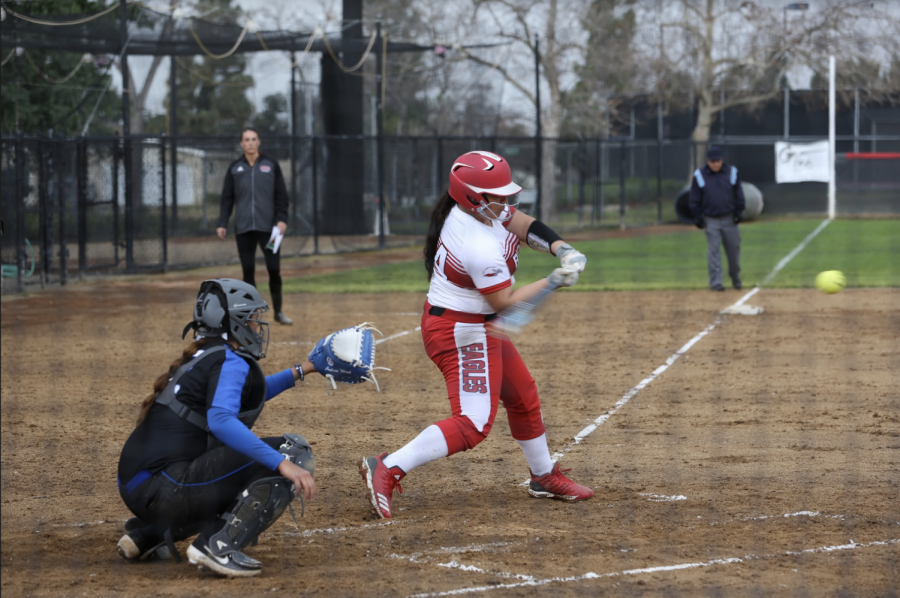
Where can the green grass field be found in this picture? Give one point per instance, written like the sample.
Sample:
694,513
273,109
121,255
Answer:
867,251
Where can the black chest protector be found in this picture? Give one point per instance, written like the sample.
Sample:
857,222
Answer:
250,409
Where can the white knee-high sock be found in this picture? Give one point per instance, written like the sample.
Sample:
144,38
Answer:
538,454
429,445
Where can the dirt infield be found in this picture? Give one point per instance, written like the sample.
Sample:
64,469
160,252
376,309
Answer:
781,432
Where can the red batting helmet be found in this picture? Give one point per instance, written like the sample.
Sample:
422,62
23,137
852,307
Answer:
477,173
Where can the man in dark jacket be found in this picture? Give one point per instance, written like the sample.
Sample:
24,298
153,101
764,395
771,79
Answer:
717,204
254,186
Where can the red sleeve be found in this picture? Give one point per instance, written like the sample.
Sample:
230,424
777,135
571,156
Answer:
496,287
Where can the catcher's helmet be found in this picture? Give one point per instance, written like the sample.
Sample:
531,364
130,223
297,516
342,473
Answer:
225,305
475,174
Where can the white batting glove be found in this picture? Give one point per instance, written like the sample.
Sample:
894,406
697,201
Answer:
564,277
571,257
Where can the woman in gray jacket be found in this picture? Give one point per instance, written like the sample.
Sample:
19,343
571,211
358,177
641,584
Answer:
254,187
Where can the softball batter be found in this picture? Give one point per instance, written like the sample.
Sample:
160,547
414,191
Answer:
471,255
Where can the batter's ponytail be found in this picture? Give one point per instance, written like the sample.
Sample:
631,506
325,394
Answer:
161,382
438,216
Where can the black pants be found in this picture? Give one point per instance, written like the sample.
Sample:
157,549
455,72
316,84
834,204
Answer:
246,244
189,497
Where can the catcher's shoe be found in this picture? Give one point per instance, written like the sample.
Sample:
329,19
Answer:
143,543
556,485
233,564
380,483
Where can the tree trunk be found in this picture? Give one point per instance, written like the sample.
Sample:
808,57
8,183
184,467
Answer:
551,127
705,117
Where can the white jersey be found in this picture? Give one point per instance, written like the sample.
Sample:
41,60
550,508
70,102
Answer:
473,259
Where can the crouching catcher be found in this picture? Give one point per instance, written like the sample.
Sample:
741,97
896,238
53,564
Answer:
193,466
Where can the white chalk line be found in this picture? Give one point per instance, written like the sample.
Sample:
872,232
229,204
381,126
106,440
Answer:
662,497
634,391
784,516
398,335
425,558
333,530
663,568
674,357
85,524
784,261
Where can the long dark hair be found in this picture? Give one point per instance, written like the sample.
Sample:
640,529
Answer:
438,216
163,379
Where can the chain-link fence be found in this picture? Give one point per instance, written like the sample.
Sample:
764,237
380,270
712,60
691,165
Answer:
111,205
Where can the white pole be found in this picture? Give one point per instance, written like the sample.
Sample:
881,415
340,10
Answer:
832,199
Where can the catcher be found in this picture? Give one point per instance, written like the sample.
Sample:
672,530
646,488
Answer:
192,466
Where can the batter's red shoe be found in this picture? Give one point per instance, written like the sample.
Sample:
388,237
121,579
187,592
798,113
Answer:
380,483
556,485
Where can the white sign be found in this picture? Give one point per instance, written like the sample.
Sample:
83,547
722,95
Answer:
801,162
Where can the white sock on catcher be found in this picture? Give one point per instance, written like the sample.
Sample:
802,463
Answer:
538,454
428,446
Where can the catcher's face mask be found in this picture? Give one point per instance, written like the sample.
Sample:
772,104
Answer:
225,305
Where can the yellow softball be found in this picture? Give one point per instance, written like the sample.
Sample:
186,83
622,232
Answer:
831,281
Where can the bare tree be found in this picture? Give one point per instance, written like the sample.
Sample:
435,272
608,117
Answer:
562,39
700,47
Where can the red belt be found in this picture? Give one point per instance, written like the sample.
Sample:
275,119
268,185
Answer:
458,316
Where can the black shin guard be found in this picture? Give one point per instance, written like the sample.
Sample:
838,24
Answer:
258,507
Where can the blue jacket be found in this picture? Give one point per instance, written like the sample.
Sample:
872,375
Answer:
716,194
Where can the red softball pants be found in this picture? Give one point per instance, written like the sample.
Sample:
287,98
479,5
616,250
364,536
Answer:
480,370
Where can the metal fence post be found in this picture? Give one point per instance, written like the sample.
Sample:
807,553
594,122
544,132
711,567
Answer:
315,194
61,214
645,191
44,215
173,131
598,185
293,145
116,156
659,167
205,179
380,58
81,175
581,175
415,185
622,162
437,171
162,184
127,164
604,172
538,141
20,213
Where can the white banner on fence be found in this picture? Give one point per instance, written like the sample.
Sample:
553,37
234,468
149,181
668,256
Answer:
801,162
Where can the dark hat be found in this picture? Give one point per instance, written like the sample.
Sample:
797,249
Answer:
714,153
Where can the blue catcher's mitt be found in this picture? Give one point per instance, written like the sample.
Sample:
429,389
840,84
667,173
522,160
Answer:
347,355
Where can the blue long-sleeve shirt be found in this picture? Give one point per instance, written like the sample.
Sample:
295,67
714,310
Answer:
214,386
223,414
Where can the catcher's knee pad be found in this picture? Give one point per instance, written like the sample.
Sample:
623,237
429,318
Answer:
299,452
461,434
258,507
